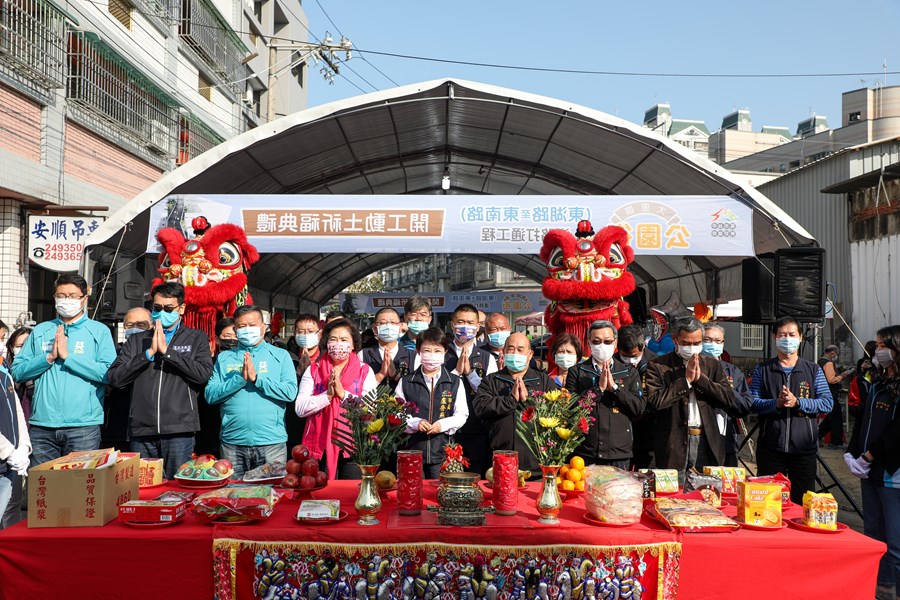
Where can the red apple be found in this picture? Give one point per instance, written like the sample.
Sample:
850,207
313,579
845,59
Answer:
290,481
300,453
307,482
321,478
223,466
310,467
293,467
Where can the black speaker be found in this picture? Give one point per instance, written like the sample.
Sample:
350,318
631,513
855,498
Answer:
758,283
800,284
124,284
637,305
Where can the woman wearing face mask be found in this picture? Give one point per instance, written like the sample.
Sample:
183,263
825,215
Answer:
617,388
874,456
24,389
337,374
566,353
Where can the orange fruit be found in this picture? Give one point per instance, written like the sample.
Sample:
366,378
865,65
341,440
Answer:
558,481
574,475
576,463
568,485
563,470
579,485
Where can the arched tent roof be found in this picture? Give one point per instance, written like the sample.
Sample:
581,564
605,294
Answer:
493,140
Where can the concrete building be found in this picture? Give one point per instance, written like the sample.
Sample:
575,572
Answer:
101,99
453,273
736,138
689,133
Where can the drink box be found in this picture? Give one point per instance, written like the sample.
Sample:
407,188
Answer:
759,504
152,511
80,497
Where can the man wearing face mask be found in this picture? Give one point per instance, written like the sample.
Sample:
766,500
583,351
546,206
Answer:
617,387
117,406
788,393
714,345
472,364
167,367
633,351
686,388
417,314
499,394
388,360
253,383
496,328
67,358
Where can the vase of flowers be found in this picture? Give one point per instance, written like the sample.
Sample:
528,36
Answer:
553,424
370,428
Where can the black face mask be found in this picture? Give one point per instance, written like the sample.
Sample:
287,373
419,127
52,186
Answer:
228,344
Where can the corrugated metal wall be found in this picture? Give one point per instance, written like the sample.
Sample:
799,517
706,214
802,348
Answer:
876,285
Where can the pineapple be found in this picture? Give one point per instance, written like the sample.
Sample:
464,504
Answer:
454,462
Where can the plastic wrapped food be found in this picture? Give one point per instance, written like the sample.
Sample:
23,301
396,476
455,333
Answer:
780,479
267,471
709,486
690,515
235,504
613,496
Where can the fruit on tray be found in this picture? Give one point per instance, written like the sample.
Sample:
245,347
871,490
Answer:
205,468
303,474
385,480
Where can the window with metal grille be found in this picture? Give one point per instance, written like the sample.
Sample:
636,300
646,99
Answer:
210,38
33,42
204,87
194,138
752,337
121,10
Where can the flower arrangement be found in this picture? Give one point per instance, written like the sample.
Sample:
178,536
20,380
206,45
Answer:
553,424
373,426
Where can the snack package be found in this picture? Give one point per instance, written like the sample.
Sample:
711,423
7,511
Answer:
152,511
690,515
759,503
648,481
730,477
613,495
203,468
151,472
266,471
780,479
235,504
709,486
820,511
666,480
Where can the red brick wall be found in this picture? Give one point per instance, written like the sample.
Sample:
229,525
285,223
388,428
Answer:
91,158
20,124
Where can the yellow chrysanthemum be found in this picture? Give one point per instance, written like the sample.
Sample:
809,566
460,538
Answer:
548,422
375,426
563,432
552,396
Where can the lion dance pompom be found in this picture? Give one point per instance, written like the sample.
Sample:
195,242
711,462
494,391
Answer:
587,278
212,267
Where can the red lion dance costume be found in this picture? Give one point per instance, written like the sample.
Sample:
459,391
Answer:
587,278
212,267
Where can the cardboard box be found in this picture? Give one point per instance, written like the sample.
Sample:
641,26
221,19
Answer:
152,511
759,503
80,497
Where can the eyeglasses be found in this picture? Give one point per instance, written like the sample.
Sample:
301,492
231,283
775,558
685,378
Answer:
68,296
168,309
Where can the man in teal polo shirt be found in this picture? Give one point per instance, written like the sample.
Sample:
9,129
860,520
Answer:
253,383
67,358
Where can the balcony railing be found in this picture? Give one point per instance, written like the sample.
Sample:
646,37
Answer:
211,38
194,139
32,41
102,82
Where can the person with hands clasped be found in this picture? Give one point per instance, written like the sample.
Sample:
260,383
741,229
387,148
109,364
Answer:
439,398
788,393
389,360
874,456
169,366
253,383
686,388
336,375
15,448
617,388
68,359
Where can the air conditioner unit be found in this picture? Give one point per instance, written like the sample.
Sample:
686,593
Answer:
160,139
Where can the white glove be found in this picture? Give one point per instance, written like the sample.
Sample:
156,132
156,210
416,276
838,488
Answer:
858,466
18,460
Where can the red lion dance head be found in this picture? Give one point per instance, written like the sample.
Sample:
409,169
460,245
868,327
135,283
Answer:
587,278
212,267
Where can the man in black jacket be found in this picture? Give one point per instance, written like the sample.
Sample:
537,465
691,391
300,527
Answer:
169,367
618,401
499,394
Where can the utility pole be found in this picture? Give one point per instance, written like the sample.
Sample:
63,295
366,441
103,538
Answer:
324,51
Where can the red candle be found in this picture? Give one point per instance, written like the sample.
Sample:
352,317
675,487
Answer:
505,487
409,482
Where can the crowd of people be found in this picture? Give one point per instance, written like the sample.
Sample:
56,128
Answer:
164,392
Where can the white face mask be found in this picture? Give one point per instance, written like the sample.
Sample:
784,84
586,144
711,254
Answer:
633,360
388,333
883,357
602,352
565,361
688,352
68,307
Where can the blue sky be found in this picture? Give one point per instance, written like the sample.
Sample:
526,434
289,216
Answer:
755,37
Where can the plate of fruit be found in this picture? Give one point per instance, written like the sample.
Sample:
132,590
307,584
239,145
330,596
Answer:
204,471
571,478
303,474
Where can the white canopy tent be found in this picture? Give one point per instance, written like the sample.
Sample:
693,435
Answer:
489,140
